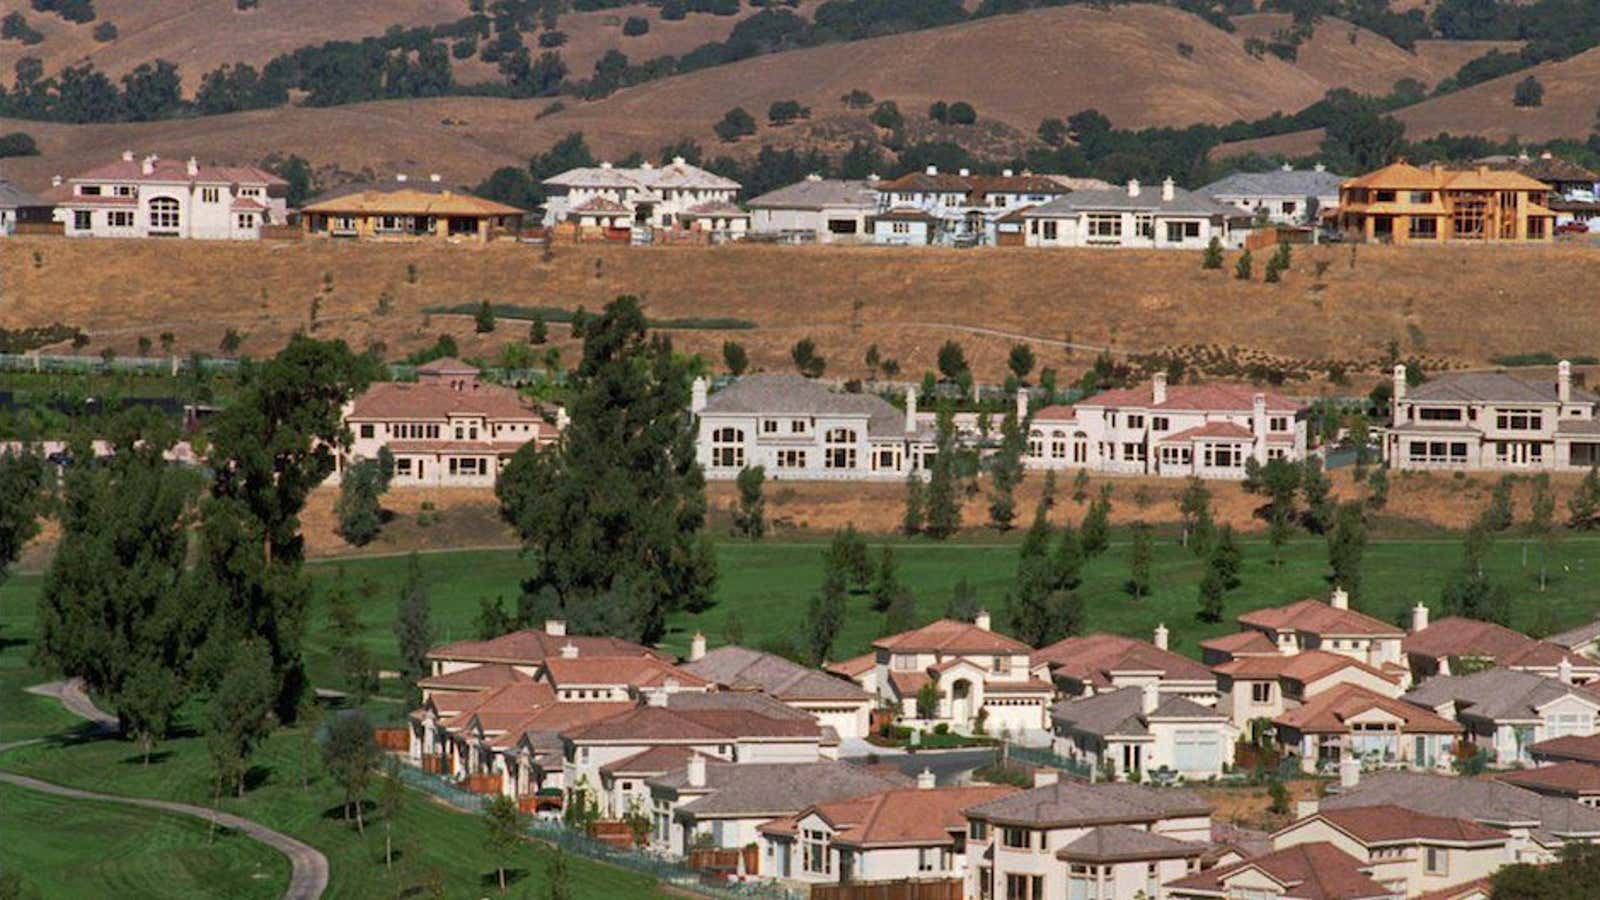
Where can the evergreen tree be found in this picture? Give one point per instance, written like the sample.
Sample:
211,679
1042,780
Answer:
1316,489
825,614
413,625
1213,254
886,586
848,553
350,754
493,620
1047,491
1213,589
1378,488
148,702
1067,563
358,508
355,660
750,515
1140,552
901,613
1096,534
238,716
483,319
1500,516
913,519
1541,524
21,485
504,822
1470,592
1227,557
557,880
613,512
1241,269
1346,544
1080,486
735,358
1005,472
1584,504
538,331
943,506
1020,361
963,603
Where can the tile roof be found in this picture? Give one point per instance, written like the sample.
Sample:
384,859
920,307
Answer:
1093,658
1317,617
1117,199
1210,430
1056,412
817,193
950,636
1476,889
704,717
426,400
1550,168
897,817
794,395
169,171
1457,636
1068,804
1304,667
1241,643
476,678
1574,637
855,666
1219,397
906,214
653,761
1494,694
1573,747
1120,843
1330,712
1276,183
1572,779
1121,712
1313,871
748,790
635,671
544,726
1488,802
740,668
676,175
913,182
530,646
1389,824
499,708
1471,387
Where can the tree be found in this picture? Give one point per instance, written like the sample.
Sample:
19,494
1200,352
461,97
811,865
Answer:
355,660
634,26
963,603
505,824
952,361
1139,556
1213,254
1227,557
1066,565
927,701
1346,544
1528,92
350,753
1576,873
782,112
1280,797
1080,486
806,360
239,714
943,506
1241,269
22,478
736,123
1584,504
493,620
887,116
1363,141
1316,490
613,513
148,702
1499,515
1194,510
538,331
1378,488
413,624
735,358
901,613
911,522
825,613
358,509
885,586
749,515
1470,592
483,319
1096,532
1028,603
1053,132
1213,590
1005,472
962,113
939,111
1020,360
557,880
1541,523
848,553
391,799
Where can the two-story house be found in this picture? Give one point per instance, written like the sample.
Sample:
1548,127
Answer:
797,429
1176,431
1085,665
1299,872
1332,627
1136,732
1505,712
1286,196
835,702
1437,648
446,429
1167,218
961,674
1492,420
678,195
155,197
1408,852
1403,203
956,208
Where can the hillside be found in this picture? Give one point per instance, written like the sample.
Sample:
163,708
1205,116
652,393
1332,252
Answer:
905,301
1341,54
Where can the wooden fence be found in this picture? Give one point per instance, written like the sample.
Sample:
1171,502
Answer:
727,861
392,738
52,229
941,889
282,233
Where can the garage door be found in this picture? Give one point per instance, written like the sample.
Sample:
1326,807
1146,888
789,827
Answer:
1197,751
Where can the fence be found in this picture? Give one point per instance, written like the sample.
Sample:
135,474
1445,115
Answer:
942,889
676,873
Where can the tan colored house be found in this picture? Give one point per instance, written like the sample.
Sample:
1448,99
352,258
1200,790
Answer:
1403,203
1406,851
405,211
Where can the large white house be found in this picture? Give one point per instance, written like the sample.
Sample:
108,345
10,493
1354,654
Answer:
678,195
824,210
1492,420
798,429
1167,218
933,207
1288,196
1207,430
154,197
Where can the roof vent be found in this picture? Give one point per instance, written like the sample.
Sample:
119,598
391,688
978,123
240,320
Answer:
1319,167
1286,167
569,651
964,172
926,780
1005,173
813,177
647,166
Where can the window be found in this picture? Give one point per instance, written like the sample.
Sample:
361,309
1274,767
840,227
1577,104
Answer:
1178,232
978,830
1058,445
82,220
120,218
885,459
1144,225
247,220
1519,419
1438,861
1176,455
1289,206
123,190
1160,423
468,466
1016,838
1278,423
1024,887
727,448
791,459
1135,420
1048,230
1437,452
928,859
366,430
1436,414
799,426
900,227
1223,456
1421,197
769,426
1105,226
1423,227
89,190
208,195
1133,451
402,466
1384,196
1036,443
814,851
1261,692
164,213
840,452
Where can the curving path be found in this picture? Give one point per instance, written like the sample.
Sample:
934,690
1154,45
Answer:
308,877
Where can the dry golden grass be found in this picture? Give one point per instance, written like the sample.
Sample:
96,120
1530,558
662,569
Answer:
1346,55
1454,305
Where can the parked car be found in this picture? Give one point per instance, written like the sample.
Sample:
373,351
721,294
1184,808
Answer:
1572,228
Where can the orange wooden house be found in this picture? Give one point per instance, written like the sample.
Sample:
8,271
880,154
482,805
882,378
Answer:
1403,204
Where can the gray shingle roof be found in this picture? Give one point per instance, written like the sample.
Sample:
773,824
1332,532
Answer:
677,174
1112,843
1149,200
1069,804
1575,636
1468,387
1491,803
1493,694
1121,712
794,395
777,789
1277,183
818,193
741,668
13,197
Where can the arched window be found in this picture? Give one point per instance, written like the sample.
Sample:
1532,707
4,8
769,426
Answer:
1080,447
1036,443
164,214
840,449
727,448
1058,444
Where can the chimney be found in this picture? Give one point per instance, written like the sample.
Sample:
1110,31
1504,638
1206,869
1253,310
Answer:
605,165
1158,388
964,172
1258,426
1022,405
147,166
433,177
55,181
1149,697
1133,187
127,156
874,178
925,779
192,166
1349,772
931,170
813,177
697,647
562,419
402,177
1046,777
1399,391
1564,671
982,619
555,627
911,410
697,395
1340,599
1160,636
569,650
697,770
1286,167
1419,618
1005,173
656,698
1319,167
1168,189
678,161
1564,381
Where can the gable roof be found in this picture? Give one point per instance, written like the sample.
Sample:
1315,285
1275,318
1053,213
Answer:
1312,871
499,708
817,193
1573,747
1390,824
676,175
1121,712
1276,183
1303,667
167,171
543,726
1571,779
896,817
1241,643
740,668
951,636
794,395
1330,712
1488,802
1401,175
1477,387
1093,658
1316,617
746,790
1494,694
1458,636
1550,168
1121,843
475,678
1067,804
531,646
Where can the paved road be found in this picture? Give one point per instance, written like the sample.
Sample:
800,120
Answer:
308,877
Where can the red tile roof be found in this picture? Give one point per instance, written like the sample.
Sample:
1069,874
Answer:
1390,824
1314,871
1317,617
1457,636
897,818
529,647
560,718
1330,711
659,723
638,671
654,761
1241,643
854,666
951,636
431,400
1570,778
1093,658
1210,430
1582,749
1056,413
175,170
476,678
1302,667
497,709
1221,397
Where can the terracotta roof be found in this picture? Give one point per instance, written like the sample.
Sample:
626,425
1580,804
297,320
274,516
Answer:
64,197
406,201
176,170
1457,636
1330,712
1219,397
1093,658
951,636
914,182
529,646
1573,747
1121,843
636,671
654,761
476,678
749,790
1015,184
246,204
1390,824
431,400
1317,617
905,214
1030,686
1303,667
1572,779
739,668
906,684
662,723
1210,430
557,718
1056,413
1476,889
855,666
898,817
1314,871
499,708
1068,804
1241,643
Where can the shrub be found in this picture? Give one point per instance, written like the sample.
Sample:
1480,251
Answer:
17,143
635,26
1529,92
549,40
1241,269
104,32
962,113
887,116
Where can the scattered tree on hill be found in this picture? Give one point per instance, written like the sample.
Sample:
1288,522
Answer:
1020,360
1005,472
1583,507
939,111
783,112
1053,132
943,506
538,331
961,113
952,361
825,613
912,521
1080,486
355,660
1316,490
626,459
1096,533
735,358
1067,562
856,99
1212,258
805,358
492,620
1346,544
413,624
358,508
735,124
901,613
848,552
1213,591
483,319
504,822
1140,552
887,116
1241,269
750,513
1528,92
350,753
635,26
